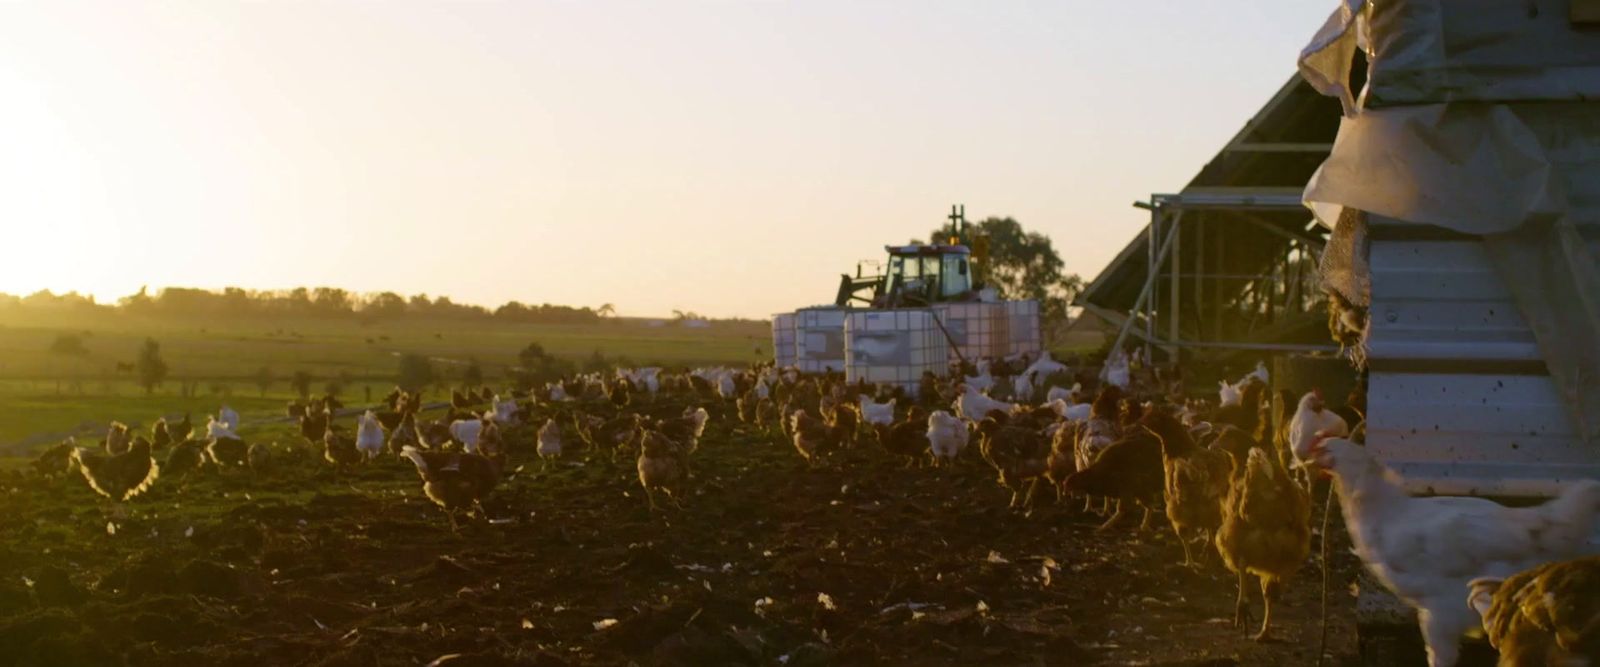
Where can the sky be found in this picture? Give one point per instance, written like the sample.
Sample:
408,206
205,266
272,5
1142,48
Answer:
730,158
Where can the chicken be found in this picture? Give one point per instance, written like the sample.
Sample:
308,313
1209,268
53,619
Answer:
766,414
1018,452
119,477
313,424
973,405
1101,430
466,432
1063,456
404,434
685,431
745,407
1549,615
1196,480
908,439
947,437
874,413
1228,394
433,434
117,438
1426,550
620,393
1311,419
229,418
218,429
57,460
660,467
160,437
491,444
549,440
1130,470
339,449
454,481
812,437
259,456
225,451
843,422
1246,414
181,430
185,458
1072,411
504,411
1266,529
369,435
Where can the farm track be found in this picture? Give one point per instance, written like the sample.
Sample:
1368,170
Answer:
860,562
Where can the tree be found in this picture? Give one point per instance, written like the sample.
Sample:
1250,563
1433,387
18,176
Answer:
1021,264
301,383
69,345
606,310
415,372
263,380
151,367
473,375
535,366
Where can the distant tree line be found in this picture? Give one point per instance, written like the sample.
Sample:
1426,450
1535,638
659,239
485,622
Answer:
330,302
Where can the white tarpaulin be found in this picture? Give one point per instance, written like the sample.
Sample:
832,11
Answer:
1475,118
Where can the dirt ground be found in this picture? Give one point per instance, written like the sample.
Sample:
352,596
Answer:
859,562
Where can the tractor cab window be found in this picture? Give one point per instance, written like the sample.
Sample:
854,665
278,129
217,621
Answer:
955,280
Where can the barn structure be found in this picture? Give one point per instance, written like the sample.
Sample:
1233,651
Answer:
1235,250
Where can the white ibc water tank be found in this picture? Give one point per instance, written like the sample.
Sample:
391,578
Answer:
819,339
980,330
1023,327
783,339
894,347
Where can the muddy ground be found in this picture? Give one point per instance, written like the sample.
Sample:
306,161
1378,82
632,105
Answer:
860,562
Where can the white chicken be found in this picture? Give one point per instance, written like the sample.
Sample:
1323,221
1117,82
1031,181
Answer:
550,439
1073,412
973,405
558,393
1428,549
947,436
1228,394
369,435
874,413
1310,419
983,381
1116,372
466,432
505,412
1061,393
229,418
1044,367
1022,387
1260,373
217,430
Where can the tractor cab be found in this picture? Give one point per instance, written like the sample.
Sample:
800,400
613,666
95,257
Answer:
914,275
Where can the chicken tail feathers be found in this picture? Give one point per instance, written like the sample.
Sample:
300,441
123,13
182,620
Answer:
416,459
1577,506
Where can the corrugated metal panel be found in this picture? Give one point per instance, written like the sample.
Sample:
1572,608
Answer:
1461,427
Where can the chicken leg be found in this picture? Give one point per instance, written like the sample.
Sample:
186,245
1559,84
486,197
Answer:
1269,590
1241,606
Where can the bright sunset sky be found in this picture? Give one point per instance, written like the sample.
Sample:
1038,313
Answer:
728,157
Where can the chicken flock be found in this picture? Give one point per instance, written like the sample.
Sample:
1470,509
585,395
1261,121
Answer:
1234,478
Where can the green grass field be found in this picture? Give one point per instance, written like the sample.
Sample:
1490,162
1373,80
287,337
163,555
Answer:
42,392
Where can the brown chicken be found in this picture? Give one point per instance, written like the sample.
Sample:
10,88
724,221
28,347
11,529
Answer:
454,481
908,439
184,459
404,434
1063,457
434,434
1129,471
661,467
313,424
57,460
1266,530
227,452
844,421
259,456
340,449
1549,615
1196,481
160,436
812,437
119,477
1017,451
117,438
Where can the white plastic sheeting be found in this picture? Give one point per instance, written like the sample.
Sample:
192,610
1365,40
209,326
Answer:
1447,133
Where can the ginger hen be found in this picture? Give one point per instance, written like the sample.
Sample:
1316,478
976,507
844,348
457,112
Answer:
1266,530
1195,481
454,481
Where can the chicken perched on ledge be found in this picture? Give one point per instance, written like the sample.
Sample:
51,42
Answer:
454,481
119,477
1549,615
